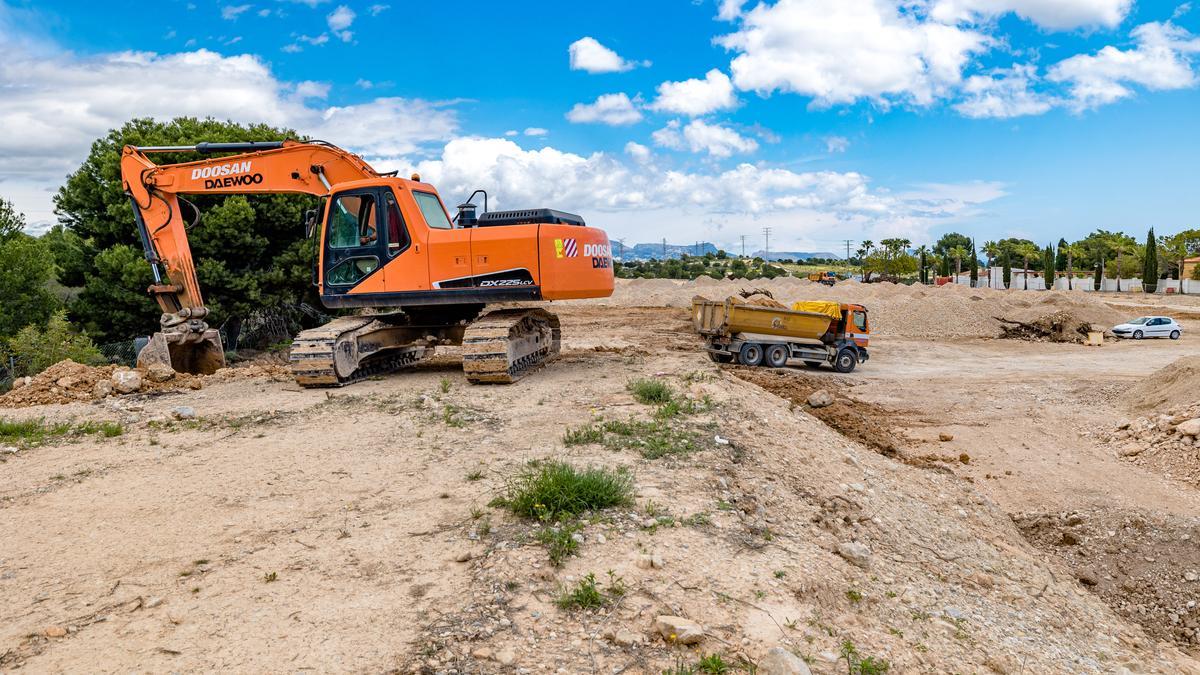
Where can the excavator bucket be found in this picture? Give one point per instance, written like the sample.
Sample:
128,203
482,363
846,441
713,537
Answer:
195,353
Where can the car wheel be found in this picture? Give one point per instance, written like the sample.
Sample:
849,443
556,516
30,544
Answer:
1137,335
751,354
776,356
1174,335
845,361
720,357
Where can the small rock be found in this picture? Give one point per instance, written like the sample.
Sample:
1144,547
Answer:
127,381
1087,577
160,372
1069,539
577,538
624,637
678,630
650,561
1002,664
1189,428
463,556
820,399
945,437
720,441
1190,576
55,631
649,522
9,449
183,412
1074,519
983,580
152,602
855,553
600,538
481,653
21,382
506,656
780,661
1130,450
103,389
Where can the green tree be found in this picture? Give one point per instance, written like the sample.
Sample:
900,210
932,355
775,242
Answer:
1025,251
1006,257
36,348
26,266
950,240
974,260
12,221
1150,264
1122,245
923,263
1048,266
1060,258
250,251
1072,252
957,253
1179,247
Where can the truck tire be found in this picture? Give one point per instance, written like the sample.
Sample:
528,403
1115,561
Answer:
720,357
751,354
776,356
846,361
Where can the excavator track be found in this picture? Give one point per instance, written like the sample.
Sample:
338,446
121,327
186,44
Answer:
328,356
504,345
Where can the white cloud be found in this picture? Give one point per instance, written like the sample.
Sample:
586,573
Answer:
264,13
836,144
340,20
1161,60
637,151
627,199
728,10
536,131
611,109
512,132
1053,14
840,51
1004,93
589,55
232,12
699,136
696,97
62,102
376,10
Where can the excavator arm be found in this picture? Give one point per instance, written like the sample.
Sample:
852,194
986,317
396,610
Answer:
185,342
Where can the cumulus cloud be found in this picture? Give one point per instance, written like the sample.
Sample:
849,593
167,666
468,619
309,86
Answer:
62,102
637,151
536,131
840,51
836,144
340,20
696,97
1052,14
1161,60
1003,93
232,12
728,10
587,54
611,109
699,136
625,199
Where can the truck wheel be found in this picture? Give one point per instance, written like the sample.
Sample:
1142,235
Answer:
776,356
813,364
720,357
751,354
845,361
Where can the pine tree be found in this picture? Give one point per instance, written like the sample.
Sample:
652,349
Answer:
1060,260
1048,266
1150,267
1007,259
974,266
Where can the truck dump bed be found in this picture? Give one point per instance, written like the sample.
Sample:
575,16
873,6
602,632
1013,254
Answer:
727,318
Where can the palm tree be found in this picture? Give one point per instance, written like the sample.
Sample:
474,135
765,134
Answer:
992,250
1071,250
863,251
958,253
1121,246
1026,251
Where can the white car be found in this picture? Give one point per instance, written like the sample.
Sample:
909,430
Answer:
1149,326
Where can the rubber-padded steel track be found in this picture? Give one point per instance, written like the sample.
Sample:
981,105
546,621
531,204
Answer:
503,345
327,356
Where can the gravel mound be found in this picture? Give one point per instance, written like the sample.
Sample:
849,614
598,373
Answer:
1175,382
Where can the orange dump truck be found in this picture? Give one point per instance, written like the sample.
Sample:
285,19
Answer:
813,332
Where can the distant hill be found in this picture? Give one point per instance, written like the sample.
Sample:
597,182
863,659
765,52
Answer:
674,251
795,255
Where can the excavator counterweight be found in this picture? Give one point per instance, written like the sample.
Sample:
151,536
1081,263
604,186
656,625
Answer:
383,242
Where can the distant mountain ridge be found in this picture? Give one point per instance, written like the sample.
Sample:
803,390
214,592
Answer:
661,251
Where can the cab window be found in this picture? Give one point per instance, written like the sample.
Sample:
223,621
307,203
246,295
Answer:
431,208
353,222
860,321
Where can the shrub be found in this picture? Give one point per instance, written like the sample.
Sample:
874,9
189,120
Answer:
650,392
552,490
36,349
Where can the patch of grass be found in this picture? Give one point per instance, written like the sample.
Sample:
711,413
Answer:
653,439
270,577
583,435
650,391
451,417
549,491
699,519
683,406
106,429
559,541
854,595
680,668
779,574
32,433
484,527
444,385
857,664
586,594
475,475
713,664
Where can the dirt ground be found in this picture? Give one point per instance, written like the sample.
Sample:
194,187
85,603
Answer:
350,530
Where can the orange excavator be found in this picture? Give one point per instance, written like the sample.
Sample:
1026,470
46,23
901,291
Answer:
384,242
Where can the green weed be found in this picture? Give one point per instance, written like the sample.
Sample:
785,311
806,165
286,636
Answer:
553,490
650,392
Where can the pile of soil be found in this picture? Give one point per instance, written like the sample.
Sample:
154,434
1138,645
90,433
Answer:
1058,326
1146,567
866,423
1175,383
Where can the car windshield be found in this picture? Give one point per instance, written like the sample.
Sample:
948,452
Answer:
1140,321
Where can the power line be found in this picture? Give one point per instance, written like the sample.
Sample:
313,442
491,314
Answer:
767,237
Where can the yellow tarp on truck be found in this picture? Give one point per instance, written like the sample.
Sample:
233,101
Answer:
832,310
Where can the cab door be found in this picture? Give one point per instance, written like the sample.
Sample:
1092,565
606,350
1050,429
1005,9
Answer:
449,247
354,249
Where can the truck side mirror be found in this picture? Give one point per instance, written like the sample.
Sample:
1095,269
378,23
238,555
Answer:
310,222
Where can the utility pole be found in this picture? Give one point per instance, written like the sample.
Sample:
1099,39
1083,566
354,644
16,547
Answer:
743,246
848,242
767,237
621,244
664,248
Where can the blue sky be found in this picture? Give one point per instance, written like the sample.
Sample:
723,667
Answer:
691,120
